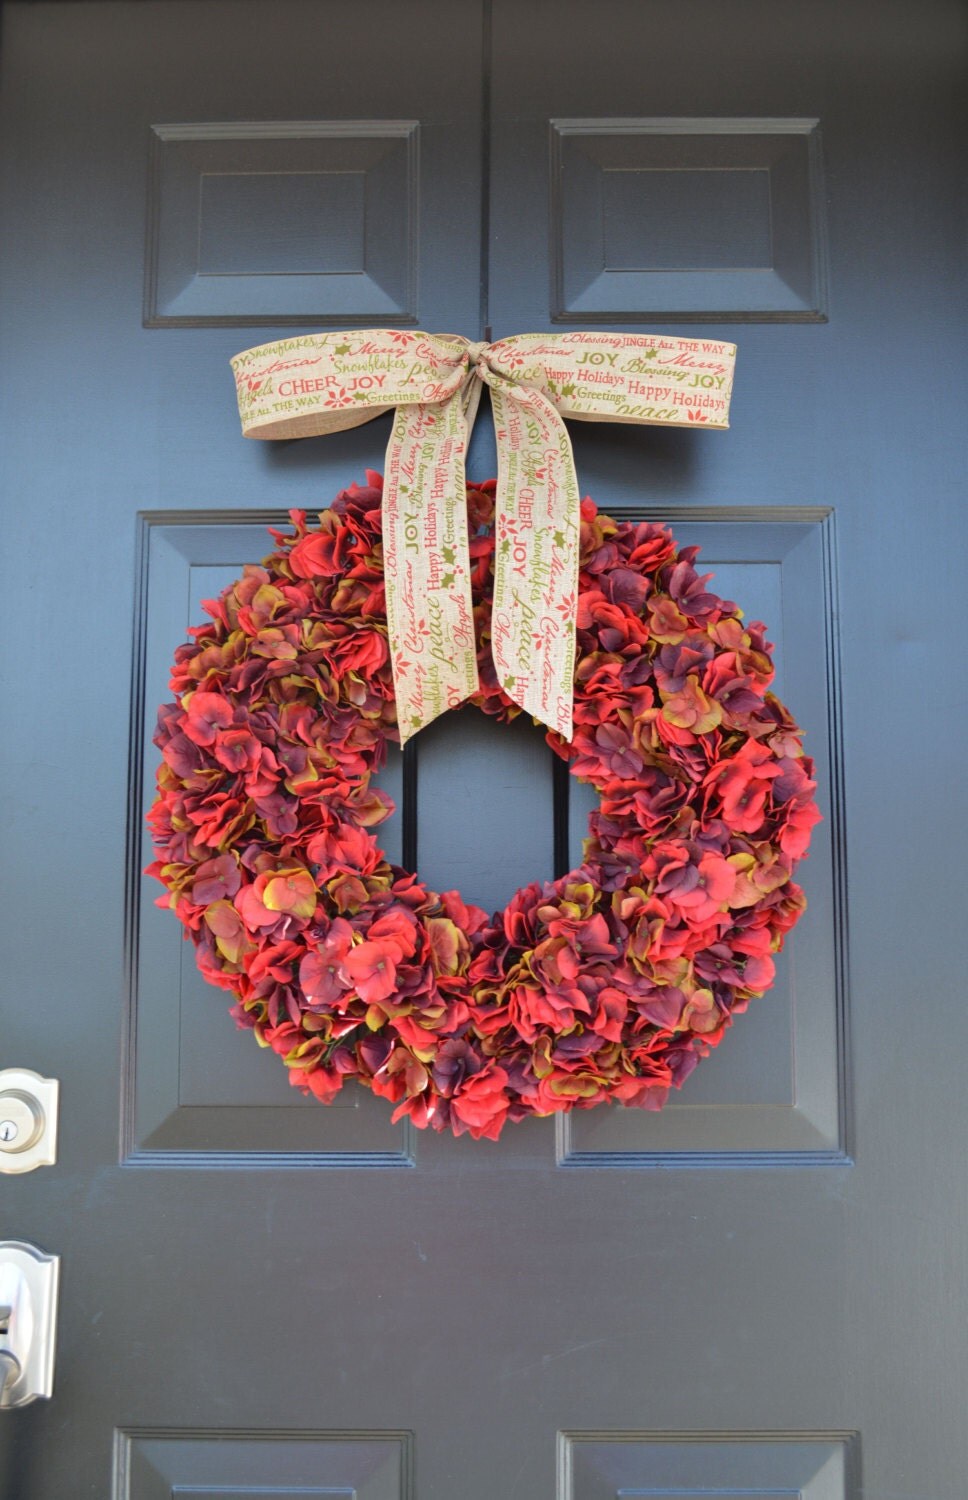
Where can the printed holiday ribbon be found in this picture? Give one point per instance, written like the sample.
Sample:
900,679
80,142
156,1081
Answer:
319,383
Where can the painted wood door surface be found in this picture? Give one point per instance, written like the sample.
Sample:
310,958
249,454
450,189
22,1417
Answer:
761,1291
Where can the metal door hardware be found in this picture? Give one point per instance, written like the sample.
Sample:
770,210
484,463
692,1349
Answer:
28,1322
28,1120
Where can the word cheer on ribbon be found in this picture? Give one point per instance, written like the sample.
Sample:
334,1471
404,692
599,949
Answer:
318,383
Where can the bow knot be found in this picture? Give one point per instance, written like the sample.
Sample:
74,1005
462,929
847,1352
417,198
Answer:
318,383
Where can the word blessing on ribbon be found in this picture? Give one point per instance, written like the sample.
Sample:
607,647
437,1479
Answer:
319,383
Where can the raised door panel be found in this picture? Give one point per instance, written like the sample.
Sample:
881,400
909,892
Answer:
286,222
775,1091
194,1464
197,1090
687,219
714,1466
479,810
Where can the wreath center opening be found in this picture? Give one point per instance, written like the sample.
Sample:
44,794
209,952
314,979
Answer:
483,810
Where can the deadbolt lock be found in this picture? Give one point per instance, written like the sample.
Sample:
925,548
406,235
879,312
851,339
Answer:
28,1120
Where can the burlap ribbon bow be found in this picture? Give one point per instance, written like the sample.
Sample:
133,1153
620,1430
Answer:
320,383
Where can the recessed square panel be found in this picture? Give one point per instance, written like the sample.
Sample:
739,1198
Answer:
186,1465
198,1090
281,223
775,1089
719,1466
692,220
292,222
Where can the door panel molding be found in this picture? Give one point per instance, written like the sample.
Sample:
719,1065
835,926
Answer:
687,220
282,223
195,1090
689,1465
184,1463
777,1093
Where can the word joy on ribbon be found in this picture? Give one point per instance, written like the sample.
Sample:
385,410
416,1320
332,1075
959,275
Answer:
320,383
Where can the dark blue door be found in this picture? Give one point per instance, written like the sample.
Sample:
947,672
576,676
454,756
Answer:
760,1291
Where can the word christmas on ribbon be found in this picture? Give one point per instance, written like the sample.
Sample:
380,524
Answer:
321,383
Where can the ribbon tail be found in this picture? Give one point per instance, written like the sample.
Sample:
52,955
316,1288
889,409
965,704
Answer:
427,567
537,532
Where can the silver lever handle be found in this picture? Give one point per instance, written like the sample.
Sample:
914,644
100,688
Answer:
9,1367
28,1321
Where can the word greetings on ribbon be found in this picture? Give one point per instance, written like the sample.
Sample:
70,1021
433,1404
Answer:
320,383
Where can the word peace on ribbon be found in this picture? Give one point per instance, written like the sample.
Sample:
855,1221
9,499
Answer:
320,383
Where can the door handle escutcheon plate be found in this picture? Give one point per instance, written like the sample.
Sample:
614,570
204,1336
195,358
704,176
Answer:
28,1322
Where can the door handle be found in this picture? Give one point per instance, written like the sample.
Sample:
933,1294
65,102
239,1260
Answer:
28,1322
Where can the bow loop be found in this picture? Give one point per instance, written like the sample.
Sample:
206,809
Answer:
320,383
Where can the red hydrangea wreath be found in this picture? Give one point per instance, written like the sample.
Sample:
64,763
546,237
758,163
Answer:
608,984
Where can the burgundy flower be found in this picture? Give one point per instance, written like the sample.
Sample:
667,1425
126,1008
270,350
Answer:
207,714
215,879
321,968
